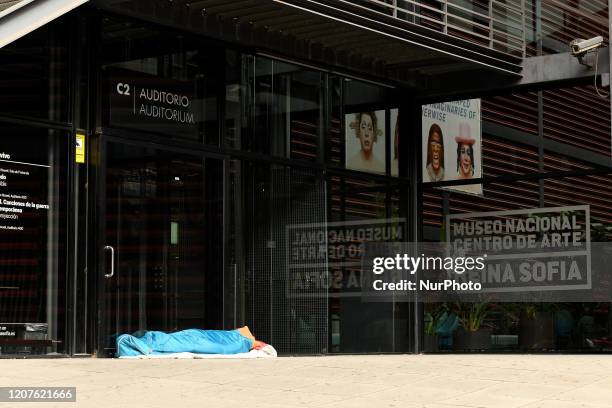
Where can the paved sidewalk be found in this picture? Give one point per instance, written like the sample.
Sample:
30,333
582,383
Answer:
433,381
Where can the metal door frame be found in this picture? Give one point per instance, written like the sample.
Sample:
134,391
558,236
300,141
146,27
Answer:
98,262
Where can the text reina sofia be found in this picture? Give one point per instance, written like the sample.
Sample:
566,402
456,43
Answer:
176,107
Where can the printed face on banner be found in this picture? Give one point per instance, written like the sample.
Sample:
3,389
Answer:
365,141
452,143
394,148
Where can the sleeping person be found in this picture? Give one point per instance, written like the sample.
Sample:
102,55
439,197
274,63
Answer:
197,341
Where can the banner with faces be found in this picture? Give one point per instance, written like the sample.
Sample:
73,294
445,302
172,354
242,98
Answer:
451,141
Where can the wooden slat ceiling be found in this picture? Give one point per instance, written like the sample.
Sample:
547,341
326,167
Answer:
4,4
283,28
340,37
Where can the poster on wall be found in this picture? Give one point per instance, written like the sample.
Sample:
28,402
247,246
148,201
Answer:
394,147
365,141
451,143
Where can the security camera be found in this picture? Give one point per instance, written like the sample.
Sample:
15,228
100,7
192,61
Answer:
580,47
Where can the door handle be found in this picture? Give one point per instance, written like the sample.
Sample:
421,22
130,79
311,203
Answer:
112,272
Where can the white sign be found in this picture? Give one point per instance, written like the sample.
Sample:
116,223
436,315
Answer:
451,140
527,250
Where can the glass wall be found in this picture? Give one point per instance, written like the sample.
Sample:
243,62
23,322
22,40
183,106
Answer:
285,269
303,225
164,223
314,161
359,207
33,243
35,192
573,324
34,72
292,171
160,81
544,156
287,112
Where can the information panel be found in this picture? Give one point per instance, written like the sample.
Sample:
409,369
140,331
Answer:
19,207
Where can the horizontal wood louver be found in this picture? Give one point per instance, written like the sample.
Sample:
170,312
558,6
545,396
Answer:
517,111
304,139
578,117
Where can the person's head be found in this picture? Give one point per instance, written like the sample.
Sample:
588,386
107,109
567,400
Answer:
465,152
435,148
465,160
367,130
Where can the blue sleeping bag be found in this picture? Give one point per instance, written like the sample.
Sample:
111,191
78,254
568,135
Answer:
191,340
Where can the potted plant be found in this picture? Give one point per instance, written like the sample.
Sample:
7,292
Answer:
472,334
430,338
431,321
537,326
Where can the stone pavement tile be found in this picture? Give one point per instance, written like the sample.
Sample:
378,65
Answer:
212,402
522,390
568,379
141,392
12,381
432,381
368,402
596,393
303,399
555,403
199,370
153,369
221,379
251,394
528,376
487,399
38,373
493,374
603,380
393,378
146,393
224,403
455,383
443,405
276,382
318,372
416,394
565,378
372,363
344,389
40,405
90,382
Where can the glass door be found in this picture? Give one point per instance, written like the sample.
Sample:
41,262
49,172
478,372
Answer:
162,215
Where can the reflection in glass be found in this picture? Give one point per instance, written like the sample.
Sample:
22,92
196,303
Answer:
138,58
163,219
287,109
534,325
32,241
